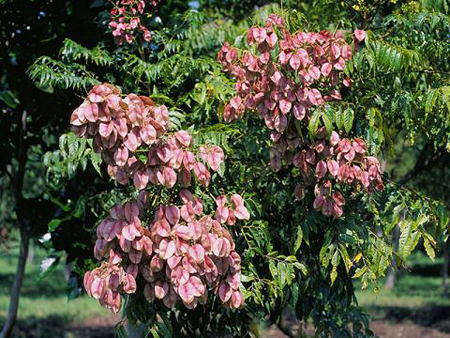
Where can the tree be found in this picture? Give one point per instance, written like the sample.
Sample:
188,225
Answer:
29,118
391,85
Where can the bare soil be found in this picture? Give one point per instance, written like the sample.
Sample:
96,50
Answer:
380,328
103,327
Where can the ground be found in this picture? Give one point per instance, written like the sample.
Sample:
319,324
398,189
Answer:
414,308
383,328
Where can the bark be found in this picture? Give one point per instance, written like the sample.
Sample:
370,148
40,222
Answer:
445,267
24,228
30,256
15,290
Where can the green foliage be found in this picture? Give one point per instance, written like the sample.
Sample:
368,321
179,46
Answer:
73,152
52,73
75,52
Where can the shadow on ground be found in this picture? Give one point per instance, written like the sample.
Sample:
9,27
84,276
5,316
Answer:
62,327
54,286
437,317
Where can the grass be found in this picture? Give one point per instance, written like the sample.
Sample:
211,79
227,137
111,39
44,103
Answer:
417,296
45,298
420,286
410,291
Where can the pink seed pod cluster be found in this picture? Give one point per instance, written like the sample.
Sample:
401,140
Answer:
123,128
125,19
183,254
179,257
228,214
284,80
330,163
289,74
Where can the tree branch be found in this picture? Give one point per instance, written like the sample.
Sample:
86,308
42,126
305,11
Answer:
423,162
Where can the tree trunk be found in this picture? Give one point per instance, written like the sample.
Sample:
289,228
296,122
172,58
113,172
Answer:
15,290
445,267
24,227
30,256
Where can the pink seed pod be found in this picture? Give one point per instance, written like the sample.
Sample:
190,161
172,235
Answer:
170,299
184,138
221,247
202,174
161,289
333,167
149,293
237,300
156,264
129,284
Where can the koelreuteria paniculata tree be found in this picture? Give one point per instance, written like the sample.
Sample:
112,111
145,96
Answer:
249,156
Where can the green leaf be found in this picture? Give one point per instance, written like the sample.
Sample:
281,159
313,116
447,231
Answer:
339,118
408,238
53,224
9,98
345,257
328,124
333,275
281,267
429,248
405,236
336,258
153,331
164,330
360,271
430,101
325,247
221,169
301,267
348,118
314,122
299,239
121,332
443,216
96,160
273,269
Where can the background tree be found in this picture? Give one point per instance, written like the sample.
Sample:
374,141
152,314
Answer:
31,118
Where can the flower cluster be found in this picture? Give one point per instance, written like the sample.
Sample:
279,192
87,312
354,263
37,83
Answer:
120,127
126,18
303,74
288,78
339,161
181,255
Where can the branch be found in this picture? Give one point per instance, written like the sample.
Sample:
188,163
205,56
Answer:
423,162
10,176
